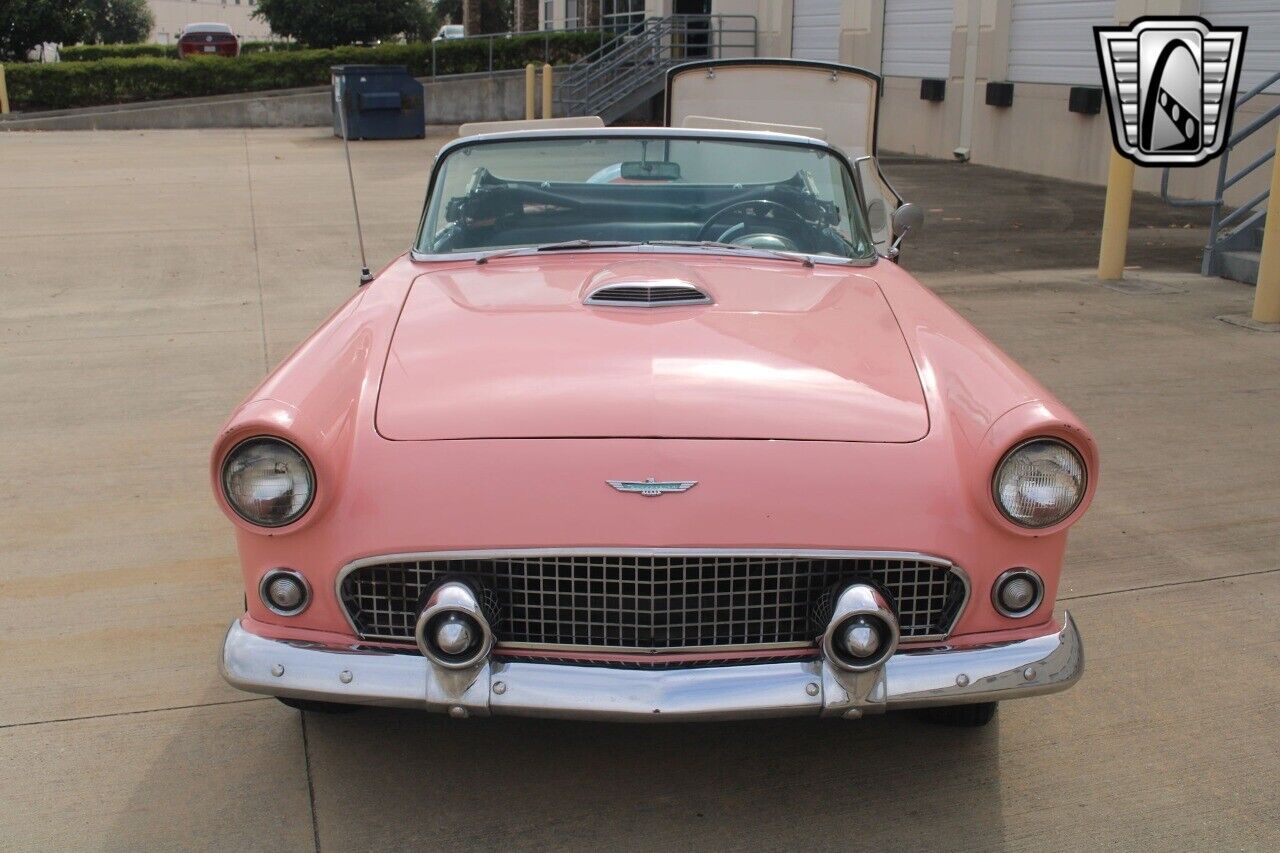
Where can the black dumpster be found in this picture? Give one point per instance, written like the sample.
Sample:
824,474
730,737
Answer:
379,102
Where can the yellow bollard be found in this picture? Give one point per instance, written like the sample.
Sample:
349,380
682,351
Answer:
1266,301
530,91
4,93
1115,218
546,90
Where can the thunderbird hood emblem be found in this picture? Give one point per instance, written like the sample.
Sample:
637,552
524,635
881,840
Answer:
651,487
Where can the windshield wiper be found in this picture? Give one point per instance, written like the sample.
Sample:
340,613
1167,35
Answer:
569,245
557,247
713,244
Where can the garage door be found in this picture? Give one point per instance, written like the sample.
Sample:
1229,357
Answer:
1261,46
815,30
917,38
1051,41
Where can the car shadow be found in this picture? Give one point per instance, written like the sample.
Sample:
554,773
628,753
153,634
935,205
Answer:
386,778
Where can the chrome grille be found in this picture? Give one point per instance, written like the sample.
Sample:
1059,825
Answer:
652,600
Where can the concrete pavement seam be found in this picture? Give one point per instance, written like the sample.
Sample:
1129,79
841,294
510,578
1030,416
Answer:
1169,584
257,257
311,786
132,713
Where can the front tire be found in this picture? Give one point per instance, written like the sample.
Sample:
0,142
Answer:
961,716
318,707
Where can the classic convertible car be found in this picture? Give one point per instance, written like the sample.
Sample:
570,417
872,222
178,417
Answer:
649,425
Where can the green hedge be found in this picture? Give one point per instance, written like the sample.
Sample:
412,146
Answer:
63,85
247,47
94,52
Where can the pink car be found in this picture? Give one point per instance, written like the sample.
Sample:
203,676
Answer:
679,443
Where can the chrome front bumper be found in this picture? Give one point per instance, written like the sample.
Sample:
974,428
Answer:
1044,664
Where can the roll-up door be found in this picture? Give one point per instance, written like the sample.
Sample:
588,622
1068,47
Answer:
917,38
815,30
1261,46
1051,41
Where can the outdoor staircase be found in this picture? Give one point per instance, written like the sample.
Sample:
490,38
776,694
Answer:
1234,246
1240,252
629,69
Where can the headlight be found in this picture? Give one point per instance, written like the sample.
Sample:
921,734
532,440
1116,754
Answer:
267,481
1039,483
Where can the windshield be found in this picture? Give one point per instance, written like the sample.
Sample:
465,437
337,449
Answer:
743,194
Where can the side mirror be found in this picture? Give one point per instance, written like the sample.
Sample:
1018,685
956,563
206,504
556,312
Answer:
908,217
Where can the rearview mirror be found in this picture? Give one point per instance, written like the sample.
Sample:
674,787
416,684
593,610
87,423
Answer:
661,170
908,217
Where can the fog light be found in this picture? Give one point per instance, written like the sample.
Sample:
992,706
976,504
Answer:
453,635
1017,593
284,591
861,639
862,631
452,631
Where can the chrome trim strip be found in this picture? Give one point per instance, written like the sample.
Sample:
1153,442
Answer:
642,654
504,553
723,134
1046,664
826,260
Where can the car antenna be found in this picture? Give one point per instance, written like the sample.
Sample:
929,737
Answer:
338,91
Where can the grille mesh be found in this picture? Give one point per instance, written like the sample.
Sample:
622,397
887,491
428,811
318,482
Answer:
648,295
626,602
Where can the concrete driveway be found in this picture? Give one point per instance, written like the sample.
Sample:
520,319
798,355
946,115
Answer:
151,278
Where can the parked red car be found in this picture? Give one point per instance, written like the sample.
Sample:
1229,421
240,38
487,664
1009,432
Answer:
208,40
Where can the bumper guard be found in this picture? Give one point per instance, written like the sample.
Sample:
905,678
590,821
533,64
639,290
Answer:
1044,664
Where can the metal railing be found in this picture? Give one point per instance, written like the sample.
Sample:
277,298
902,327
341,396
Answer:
606,33
639,55
1245,216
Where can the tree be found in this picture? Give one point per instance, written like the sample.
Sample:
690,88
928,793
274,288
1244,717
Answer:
118,21
449,11
426,22
329,23
24,24
496,16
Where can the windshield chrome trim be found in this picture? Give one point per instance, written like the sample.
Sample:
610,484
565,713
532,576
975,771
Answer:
532,252
714,134
645,133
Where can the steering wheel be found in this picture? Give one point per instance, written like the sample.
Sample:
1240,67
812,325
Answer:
780,211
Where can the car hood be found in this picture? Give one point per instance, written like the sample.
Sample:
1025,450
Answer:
508,349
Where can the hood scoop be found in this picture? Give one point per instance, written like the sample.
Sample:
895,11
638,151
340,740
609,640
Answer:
648,294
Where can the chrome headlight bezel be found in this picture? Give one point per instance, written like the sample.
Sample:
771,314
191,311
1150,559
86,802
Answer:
1011,454
224,474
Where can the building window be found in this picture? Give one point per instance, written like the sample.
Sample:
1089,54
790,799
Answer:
548,14
572,14
619,15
